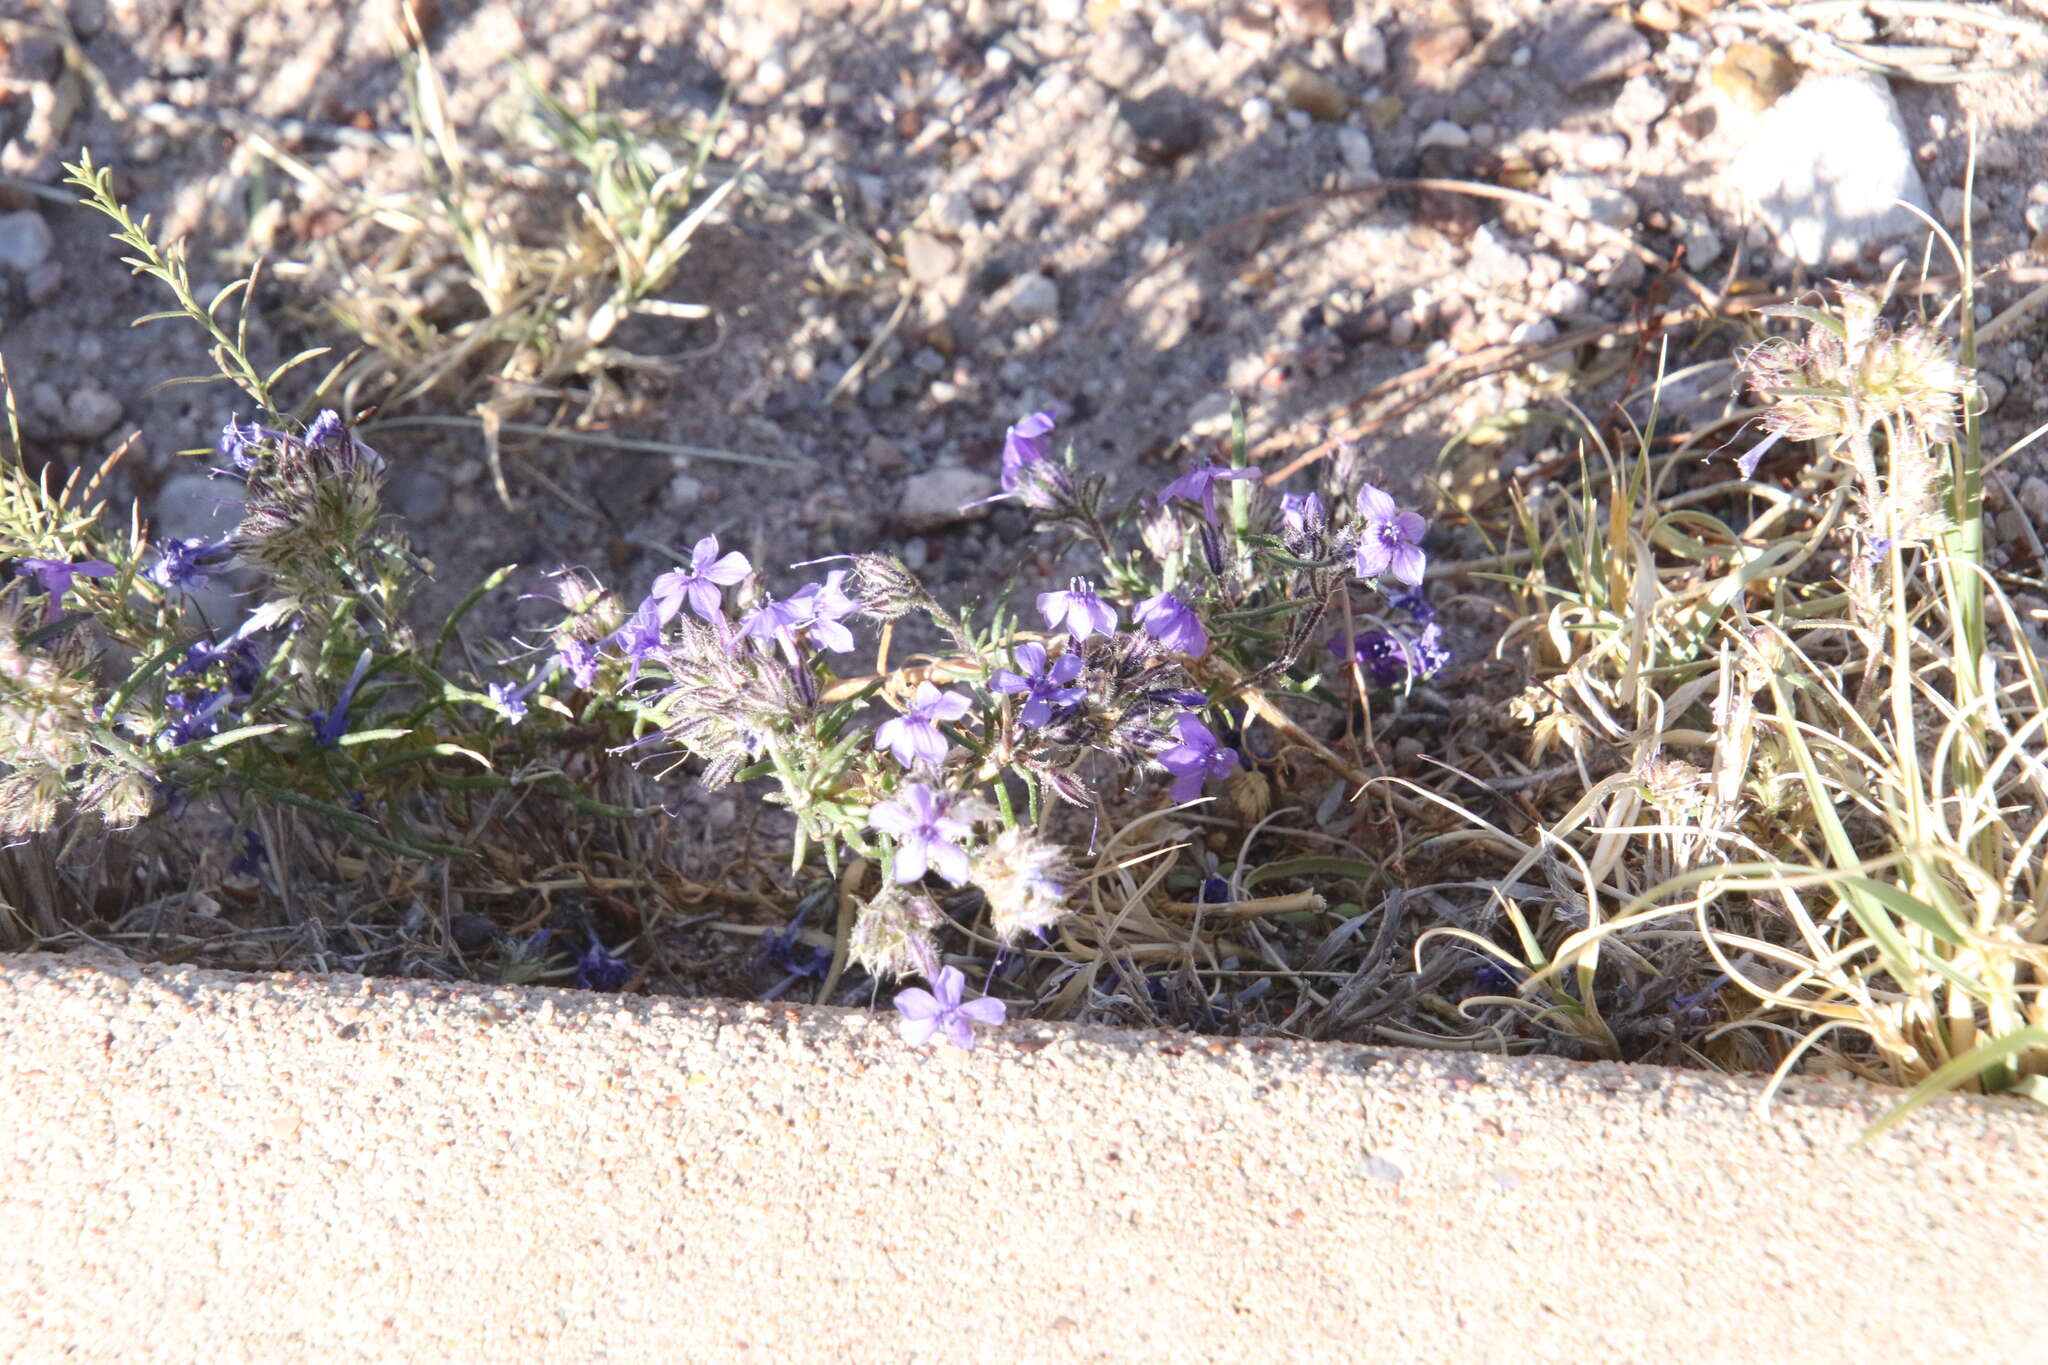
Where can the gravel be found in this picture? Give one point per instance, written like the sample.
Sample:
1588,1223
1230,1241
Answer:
207,1166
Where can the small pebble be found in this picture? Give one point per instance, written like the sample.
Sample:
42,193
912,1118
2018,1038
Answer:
1443,133
1365,49
90,413
1032,297
25,241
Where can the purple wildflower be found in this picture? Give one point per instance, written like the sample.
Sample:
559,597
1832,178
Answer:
199,715
1197,758
1379,652
640,636
184,564
925,1013
235,442
55,576
1415,602
703,585
1392,538
1427,653
237,656
1044,687
329,726
510,701
787,952
925,834
914,736
597,969
1751,458
580,657
1078,607
1199,485
1302,515
814,610
249,862
1173,623
1025,444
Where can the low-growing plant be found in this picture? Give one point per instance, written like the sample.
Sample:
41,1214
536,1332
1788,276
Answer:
1201,608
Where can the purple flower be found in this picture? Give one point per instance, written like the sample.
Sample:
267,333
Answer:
510,701
1078,607
199,715
184,564
640,636
1427,653
925,834
1197,758
55,575
330,726
235,442
1199,485
1380,653
249,862
1173,623
1302,515
1025,444
815,610
580,657
598,970
1415,602
914,736
237,656
1392,538
703,585
1044,687
1751,458
925,1013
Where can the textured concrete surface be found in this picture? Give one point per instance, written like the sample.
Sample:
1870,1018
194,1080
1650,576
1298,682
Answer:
196,1166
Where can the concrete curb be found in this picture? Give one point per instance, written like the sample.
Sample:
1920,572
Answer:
205,1166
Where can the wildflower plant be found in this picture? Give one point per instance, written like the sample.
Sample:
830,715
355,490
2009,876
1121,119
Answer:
956,798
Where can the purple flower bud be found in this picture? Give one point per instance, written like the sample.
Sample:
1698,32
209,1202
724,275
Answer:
183,565
1025,444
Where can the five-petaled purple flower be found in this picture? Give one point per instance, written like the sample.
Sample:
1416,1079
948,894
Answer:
329,726
184,564
702,585
914,736
1044,687
926,834
925,1013
1025,444
1199,485
640,636
1197,758
55,575
199,715
1392,538
1079,609
1173,623
510,701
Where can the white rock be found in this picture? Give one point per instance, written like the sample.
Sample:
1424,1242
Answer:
1299,120
90,413
1603,151
1256,112
952,213
1365,49
1642,102
1702,246
1824,165
1952,206
1032,297
2034,499
1592,197
1356,148
1566,298
1442,133
25,241
940,496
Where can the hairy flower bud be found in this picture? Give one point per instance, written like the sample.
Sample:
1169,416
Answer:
893,933
885,587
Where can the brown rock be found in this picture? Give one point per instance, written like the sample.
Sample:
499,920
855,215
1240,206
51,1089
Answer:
1315,95
1752,75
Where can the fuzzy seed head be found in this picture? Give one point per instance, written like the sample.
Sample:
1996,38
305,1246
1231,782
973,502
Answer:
1027,881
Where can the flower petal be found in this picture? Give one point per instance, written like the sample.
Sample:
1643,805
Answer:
1375,504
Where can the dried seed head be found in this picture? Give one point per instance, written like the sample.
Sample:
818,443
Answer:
1027,881
886,588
